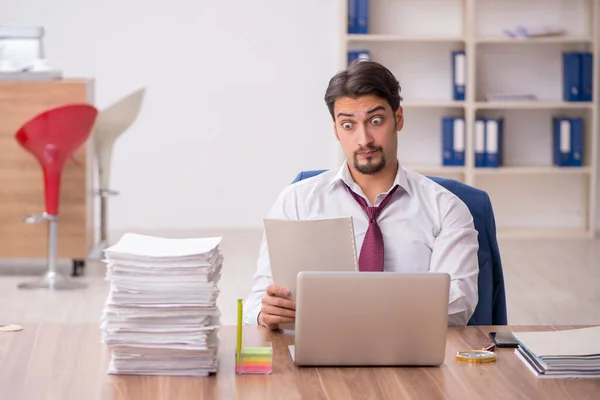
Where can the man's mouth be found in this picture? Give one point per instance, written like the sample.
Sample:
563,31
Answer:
369,153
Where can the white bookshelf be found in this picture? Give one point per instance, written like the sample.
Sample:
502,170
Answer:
415,38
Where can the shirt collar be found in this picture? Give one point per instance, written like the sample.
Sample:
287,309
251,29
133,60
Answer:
343,176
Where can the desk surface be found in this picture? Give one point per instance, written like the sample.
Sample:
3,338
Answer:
67,361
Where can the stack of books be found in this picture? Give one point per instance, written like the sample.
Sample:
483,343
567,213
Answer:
161,316
573,353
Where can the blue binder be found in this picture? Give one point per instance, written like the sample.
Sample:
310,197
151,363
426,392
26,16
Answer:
459,75
494,128
587,73
362,16
479,142
354,55
453,141
576,155
571,76
567,141
352,17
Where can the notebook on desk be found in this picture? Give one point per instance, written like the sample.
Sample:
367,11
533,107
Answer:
572,353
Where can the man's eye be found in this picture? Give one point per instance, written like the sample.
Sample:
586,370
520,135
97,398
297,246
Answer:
377,120
347,125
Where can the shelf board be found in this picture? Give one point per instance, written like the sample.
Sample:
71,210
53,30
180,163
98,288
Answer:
533,40
436,169
543,233
432,104
374,37
533,105
532,170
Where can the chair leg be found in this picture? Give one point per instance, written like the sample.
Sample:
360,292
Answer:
78,267
97,252
52,279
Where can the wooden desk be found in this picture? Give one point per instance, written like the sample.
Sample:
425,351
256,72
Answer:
68,362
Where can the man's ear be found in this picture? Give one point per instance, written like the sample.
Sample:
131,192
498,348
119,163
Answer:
399,118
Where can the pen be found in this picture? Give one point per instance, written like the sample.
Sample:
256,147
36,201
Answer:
239,332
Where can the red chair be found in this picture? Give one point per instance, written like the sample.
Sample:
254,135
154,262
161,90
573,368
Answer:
52,137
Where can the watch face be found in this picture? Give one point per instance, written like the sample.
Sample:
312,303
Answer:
474,354
478,356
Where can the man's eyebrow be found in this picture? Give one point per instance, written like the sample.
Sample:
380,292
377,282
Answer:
371,111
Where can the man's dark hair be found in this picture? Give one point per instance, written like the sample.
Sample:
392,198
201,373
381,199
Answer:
364,78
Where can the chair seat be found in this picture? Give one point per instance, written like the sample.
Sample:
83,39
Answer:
111,123
52,137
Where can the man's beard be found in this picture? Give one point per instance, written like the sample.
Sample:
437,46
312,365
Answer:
370,167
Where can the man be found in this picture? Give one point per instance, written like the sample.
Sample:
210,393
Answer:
416,225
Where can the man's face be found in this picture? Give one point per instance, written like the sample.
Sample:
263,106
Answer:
367,131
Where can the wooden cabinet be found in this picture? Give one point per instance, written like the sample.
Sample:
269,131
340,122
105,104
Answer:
21,177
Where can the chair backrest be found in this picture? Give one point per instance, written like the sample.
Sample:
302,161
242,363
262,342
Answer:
491,307
111,123
52,137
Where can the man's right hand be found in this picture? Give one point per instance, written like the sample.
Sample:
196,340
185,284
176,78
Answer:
276,308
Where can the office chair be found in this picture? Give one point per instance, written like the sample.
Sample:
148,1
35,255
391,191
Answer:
111,123
52,137
491,307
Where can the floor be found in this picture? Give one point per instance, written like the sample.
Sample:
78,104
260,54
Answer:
548,281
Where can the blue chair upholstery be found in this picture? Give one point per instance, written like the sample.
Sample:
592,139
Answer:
491,307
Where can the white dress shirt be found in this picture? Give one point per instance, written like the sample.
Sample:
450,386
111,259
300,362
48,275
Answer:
425,228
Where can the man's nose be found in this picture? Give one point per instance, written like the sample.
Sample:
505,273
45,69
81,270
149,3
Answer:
364,136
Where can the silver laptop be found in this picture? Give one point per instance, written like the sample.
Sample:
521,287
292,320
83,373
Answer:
370,318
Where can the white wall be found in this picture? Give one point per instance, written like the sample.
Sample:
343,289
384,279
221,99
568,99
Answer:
234,105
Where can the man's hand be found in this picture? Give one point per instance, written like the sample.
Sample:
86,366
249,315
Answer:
276,308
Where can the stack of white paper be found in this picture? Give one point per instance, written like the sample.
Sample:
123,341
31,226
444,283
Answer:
161,316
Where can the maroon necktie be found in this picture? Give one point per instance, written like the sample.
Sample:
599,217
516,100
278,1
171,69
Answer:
371,253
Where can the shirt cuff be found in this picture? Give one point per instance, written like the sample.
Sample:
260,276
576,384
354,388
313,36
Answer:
251,316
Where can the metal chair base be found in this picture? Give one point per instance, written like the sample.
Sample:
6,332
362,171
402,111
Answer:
53,281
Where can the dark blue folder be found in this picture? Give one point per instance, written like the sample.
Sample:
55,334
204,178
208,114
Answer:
571,76
494,134
587,73
352,17
358,11
453,141
567,141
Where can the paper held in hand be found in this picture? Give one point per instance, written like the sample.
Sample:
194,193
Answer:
309,245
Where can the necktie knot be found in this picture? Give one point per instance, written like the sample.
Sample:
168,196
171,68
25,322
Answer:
371,253
372,213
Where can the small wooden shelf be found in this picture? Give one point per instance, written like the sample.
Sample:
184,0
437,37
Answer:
432,104
532,170
402,38
533,40
436,169
544,233
533,105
